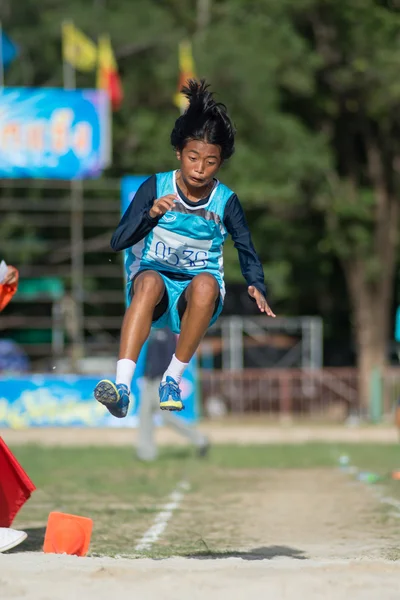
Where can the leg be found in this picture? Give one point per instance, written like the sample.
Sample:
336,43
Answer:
201,298
148,291
146,448
193,435
148,296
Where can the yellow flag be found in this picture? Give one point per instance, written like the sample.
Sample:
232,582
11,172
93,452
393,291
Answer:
186,71
78,50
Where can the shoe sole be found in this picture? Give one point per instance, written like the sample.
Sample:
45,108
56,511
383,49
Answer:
14,543
106,393
172,405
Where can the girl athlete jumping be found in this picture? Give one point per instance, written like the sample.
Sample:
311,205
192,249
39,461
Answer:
175,229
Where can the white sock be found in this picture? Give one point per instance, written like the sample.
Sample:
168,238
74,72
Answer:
175,369
125,371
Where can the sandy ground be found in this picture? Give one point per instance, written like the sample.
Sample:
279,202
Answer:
290,534
226,432
301,534
51,577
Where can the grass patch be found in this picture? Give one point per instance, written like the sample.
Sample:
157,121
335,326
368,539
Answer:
122,494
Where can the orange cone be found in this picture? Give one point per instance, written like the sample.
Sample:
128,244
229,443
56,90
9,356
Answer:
67,534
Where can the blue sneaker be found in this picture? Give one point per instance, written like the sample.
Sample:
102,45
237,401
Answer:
170,395
115,397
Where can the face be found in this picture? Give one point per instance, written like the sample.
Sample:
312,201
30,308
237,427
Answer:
199,162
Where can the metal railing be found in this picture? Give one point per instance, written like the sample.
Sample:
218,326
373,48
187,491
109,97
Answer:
320,394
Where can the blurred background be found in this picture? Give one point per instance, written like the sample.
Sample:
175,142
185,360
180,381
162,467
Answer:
313,88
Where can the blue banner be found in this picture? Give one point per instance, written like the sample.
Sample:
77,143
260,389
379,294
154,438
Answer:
53,133
129,186
9,50
67,401
51,401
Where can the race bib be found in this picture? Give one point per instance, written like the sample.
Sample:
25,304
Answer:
178,251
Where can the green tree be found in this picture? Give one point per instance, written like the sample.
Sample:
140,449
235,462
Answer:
316,89
356,102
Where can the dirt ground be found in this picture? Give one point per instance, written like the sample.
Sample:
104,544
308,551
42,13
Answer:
316,514
243,431
291,534
299,514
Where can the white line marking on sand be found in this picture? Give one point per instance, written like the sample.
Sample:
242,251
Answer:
161,520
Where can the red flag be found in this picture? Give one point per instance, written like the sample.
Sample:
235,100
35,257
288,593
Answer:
7,291
108,77
15,486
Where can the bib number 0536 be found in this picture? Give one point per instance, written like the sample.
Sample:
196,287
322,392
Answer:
185,258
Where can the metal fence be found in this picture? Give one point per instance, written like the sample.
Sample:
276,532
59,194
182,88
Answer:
317,394
58,235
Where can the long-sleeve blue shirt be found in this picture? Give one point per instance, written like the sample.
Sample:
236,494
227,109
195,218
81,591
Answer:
136,223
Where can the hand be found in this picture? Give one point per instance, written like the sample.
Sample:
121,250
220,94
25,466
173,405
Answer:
162,205
11,276
261,301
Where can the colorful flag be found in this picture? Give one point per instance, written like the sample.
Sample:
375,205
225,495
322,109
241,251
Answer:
9,50
78,50
186,71
7,291
107,75
15,486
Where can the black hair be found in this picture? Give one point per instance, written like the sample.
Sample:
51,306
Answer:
204,119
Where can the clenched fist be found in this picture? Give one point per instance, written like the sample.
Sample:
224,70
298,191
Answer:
162,205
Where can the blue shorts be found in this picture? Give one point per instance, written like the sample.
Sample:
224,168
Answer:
171,316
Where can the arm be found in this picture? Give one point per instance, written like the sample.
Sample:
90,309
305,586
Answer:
250,265
236,225
136,222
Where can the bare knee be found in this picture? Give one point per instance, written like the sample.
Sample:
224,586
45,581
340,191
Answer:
149,285
203,289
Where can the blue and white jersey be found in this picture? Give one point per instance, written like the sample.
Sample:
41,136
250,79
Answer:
188,239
